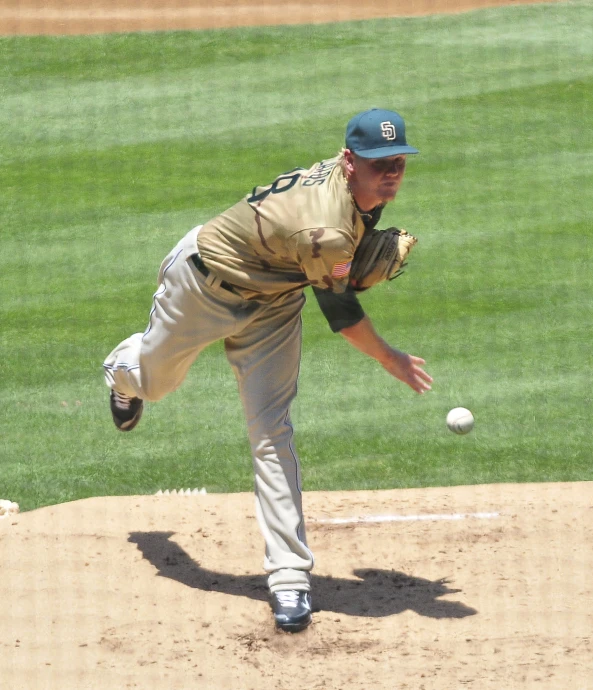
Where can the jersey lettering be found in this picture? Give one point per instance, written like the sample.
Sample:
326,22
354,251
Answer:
281,184
320,174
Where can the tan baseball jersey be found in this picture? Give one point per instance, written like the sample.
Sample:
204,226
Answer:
300,230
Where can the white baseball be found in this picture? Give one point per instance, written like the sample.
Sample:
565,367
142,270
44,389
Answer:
460,420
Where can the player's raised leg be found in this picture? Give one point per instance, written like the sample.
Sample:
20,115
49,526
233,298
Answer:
187,315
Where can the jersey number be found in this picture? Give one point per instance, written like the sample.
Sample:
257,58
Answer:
279,185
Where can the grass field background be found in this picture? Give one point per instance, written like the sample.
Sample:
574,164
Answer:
112,147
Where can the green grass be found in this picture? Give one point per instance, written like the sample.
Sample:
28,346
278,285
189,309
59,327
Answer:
112,147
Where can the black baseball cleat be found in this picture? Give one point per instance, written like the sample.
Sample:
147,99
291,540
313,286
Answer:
292,609
126,411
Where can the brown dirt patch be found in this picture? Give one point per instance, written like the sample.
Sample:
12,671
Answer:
100,16
168,592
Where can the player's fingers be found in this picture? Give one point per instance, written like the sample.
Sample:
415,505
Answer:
423,375
418,370
421,386
422,381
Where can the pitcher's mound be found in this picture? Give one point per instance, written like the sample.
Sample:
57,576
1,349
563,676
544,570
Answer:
484,587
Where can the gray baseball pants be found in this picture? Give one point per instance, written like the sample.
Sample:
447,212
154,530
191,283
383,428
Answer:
263,346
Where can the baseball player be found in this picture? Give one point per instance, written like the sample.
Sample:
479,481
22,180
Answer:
240,278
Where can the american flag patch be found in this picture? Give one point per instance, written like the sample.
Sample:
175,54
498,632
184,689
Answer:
342,269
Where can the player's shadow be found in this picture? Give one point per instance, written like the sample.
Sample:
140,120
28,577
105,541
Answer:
373,592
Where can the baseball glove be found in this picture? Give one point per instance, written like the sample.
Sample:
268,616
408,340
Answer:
380,256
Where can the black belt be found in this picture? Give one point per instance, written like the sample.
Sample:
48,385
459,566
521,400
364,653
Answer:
204,270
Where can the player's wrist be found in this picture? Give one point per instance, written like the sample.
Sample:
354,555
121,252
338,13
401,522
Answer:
384,353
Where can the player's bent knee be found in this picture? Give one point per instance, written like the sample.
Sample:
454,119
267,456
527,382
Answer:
153,392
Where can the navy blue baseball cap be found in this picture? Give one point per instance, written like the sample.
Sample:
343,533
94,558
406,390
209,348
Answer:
377,133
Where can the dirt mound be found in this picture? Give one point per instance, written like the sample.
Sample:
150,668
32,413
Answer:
483,587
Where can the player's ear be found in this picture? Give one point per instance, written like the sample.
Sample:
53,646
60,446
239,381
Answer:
348,162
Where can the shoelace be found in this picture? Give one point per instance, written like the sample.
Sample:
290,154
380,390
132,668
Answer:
288,598
122,401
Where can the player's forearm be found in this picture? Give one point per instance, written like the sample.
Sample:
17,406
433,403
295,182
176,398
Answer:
405,367
364,338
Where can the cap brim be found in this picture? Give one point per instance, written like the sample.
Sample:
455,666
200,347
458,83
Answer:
386,151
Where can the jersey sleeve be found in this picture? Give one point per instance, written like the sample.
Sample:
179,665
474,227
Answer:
340,310
325,257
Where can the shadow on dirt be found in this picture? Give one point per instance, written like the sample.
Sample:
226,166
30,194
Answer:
374,592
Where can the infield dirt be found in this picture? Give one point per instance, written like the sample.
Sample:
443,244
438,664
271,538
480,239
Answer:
168,592
100,16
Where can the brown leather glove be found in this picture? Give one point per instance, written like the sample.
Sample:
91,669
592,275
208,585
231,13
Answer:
380,256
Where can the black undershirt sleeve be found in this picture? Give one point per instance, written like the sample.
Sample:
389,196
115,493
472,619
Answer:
340,310
344,309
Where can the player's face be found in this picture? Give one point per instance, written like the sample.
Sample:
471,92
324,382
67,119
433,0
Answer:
377,180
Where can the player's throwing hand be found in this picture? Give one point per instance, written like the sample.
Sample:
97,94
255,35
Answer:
405,368
408,369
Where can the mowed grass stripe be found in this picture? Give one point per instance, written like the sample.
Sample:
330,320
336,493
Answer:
174,85
111,147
